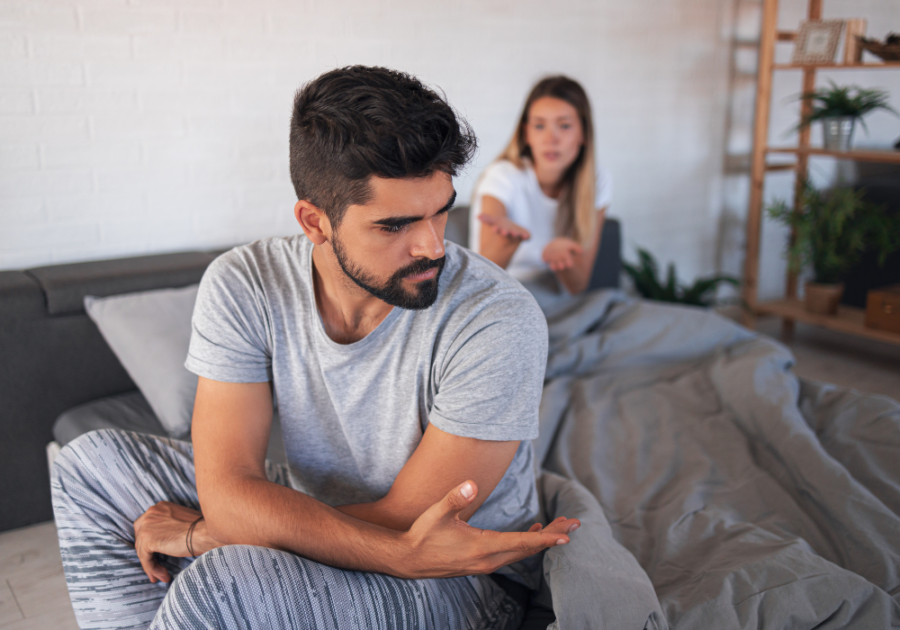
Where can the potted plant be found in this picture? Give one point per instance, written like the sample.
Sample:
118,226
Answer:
831,232
645,277
839,107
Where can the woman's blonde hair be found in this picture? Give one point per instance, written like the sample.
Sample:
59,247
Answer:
577,215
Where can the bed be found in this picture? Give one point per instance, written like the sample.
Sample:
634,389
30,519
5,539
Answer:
717,490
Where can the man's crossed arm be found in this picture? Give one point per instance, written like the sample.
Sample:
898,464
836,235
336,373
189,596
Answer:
418,530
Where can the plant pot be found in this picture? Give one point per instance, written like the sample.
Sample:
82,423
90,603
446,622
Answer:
823,299
837,132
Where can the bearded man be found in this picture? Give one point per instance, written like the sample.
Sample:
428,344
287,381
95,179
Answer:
407,373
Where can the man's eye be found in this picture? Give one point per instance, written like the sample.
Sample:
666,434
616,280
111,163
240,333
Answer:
392,229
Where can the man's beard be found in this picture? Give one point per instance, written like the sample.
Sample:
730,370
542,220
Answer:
393,291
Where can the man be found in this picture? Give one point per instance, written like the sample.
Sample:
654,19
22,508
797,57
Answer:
407,374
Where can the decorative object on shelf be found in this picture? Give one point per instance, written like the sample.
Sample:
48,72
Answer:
883,309
822,299
817,41
837,132
855,31
839,107
646,282
889,50
832,229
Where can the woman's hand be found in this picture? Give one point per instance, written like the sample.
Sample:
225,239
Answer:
560,253
504,227
163,529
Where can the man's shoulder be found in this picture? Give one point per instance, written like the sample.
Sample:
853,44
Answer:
476,285
262,258
473,273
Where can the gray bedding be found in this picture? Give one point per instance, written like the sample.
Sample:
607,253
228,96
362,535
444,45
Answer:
733,494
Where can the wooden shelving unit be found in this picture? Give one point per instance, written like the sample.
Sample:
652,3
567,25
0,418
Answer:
790,309
838,66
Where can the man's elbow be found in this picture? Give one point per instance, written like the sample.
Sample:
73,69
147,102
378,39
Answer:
219,530
219,504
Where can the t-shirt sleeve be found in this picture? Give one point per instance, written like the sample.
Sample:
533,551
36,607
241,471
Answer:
229,332
490,385
604,188
499,182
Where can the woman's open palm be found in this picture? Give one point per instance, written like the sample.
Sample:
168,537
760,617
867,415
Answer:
560,253
504,227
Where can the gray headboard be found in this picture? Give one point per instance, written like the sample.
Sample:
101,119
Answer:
54,358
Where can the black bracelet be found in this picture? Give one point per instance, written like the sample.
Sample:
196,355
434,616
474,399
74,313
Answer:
189,538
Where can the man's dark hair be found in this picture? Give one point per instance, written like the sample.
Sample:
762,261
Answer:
355,122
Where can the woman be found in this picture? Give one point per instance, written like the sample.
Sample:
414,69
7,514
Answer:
540,206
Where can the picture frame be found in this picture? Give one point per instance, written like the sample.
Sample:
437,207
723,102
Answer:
817,42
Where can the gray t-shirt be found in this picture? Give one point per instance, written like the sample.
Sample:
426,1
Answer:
352,415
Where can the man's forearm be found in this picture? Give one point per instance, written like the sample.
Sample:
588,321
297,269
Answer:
377,513
259,512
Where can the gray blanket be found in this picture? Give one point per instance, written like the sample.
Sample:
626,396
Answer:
717,490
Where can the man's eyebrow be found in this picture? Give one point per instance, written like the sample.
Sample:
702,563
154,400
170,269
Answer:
401,221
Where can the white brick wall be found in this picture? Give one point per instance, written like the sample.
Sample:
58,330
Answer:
137,126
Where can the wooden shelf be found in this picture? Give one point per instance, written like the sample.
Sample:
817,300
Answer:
848,320
885,156
790,309
892,65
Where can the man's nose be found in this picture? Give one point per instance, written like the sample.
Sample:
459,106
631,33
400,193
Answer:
429,242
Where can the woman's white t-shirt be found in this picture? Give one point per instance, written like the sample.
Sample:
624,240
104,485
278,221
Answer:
526,205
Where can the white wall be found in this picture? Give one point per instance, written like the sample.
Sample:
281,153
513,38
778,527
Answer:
131,126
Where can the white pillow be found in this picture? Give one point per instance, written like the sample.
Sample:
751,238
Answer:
150,332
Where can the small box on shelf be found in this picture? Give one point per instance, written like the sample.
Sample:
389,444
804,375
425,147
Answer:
855,30
883,309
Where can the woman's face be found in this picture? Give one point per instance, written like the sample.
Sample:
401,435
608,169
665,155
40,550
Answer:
554,133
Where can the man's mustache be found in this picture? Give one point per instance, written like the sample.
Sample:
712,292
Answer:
420,266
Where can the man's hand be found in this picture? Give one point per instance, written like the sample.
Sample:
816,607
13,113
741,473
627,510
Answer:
560,253
504,227
440,545
163,529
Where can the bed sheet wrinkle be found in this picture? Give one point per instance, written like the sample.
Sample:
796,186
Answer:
862,432
747,497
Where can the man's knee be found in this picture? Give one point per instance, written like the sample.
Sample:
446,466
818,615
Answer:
79,453
214,588
83,460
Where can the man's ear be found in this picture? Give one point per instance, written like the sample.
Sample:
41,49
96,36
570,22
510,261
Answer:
313,221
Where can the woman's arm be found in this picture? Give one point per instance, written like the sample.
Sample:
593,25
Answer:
499,237
571,263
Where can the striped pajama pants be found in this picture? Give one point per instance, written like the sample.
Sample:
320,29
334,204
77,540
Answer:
104,480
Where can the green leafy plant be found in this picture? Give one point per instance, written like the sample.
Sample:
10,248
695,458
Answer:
645,276
833,229
848,100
